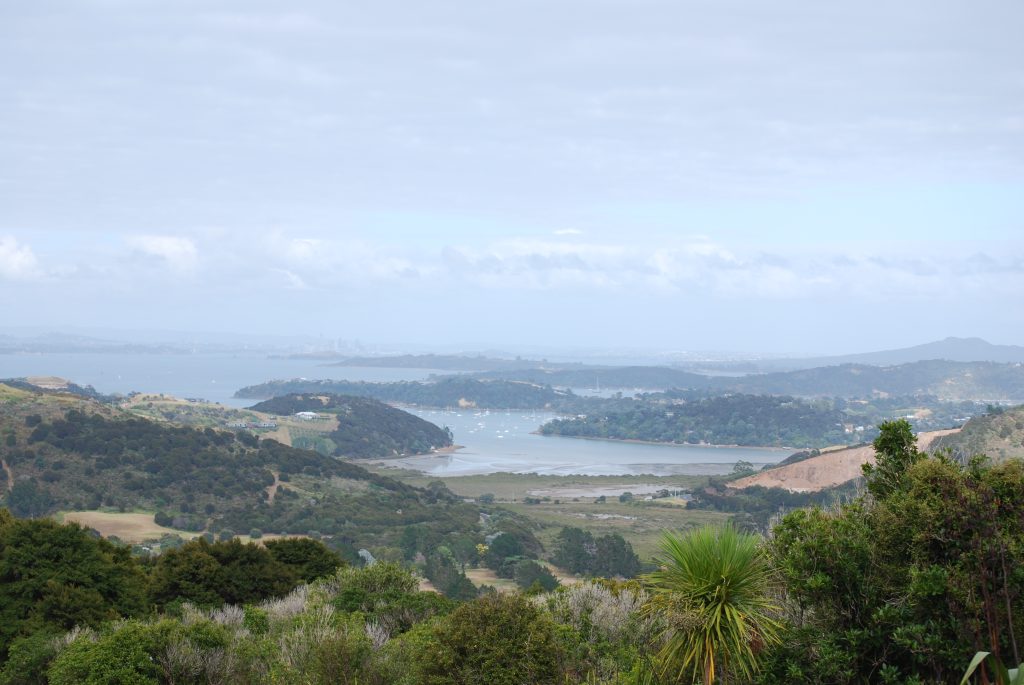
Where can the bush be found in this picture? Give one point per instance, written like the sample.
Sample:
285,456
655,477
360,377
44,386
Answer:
163,519
118,657
308,559
499,640
28,658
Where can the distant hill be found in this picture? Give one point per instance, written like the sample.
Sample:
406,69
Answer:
366,427
829,469
608,377
998,434
752,420
946,380
445,362
62,452
54,384
950,349
453,391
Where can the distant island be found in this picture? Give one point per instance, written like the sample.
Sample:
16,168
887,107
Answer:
447,362
450,391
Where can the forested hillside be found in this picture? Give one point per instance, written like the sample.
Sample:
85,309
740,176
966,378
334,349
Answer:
366,427
624,377
896,586
722,420
66,453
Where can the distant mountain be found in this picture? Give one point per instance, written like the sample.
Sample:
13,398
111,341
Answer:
946,380
950,349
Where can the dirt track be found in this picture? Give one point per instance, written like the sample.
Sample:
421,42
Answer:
825,471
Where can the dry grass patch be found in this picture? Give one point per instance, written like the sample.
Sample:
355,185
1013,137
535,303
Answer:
130,527
485,576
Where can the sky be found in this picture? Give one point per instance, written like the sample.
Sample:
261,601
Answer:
798,177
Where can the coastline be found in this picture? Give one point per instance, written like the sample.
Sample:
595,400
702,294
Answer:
439,452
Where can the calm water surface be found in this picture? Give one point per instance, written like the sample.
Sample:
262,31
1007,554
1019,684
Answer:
213,377
492,441
505,441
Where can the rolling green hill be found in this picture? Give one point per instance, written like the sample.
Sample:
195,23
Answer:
64,452
998,434
366,427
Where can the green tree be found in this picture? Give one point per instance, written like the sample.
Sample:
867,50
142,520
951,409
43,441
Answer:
905,588
614,556
223,572
54,577
308,559
28,500
527,572
502,547
713,592
895,452
574,550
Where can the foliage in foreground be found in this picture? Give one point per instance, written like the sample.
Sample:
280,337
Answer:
369,626
713,590
906,585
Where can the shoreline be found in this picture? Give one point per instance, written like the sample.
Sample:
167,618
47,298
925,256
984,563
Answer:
635,441
439,452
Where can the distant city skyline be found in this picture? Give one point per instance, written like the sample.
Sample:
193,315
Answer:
794,178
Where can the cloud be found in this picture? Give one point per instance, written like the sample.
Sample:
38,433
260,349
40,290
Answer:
176,252
17,261
568,231
702,267
292,281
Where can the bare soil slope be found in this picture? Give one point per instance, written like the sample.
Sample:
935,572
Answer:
828,470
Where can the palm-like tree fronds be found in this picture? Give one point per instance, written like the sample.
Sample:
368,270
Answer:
712,591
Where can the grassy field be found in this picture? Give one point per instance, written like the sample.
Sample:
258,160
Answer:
513,487
129,526
641,523
138,526
211,415
485,576
570,501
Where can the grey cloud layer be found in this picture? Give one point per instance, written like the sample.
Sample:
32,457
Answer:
543,166
209,260
221,108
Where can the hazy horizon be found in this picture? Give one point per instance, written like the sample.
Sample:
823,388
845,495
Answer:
787,179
